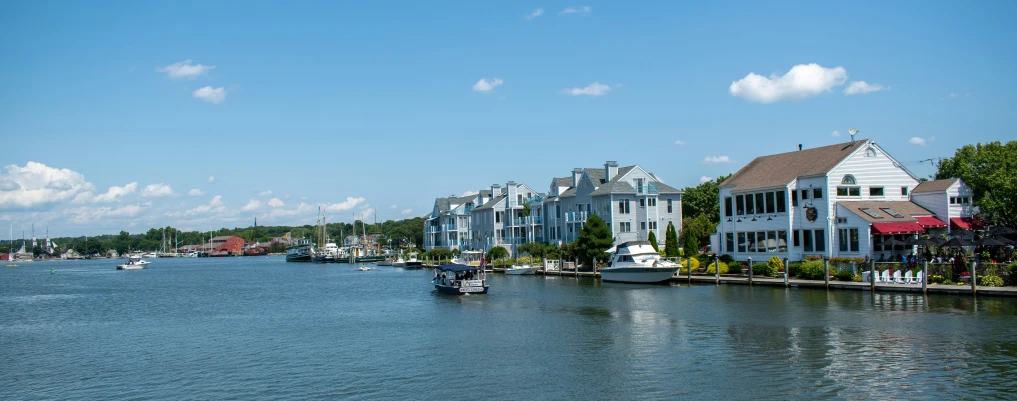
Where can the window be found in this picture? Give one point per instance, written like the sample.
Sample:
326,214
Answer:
652,202
741,242
781,241
624,227
642,225
669,206
820,241
730,242
752,241
807,240
642,202
759,202
761,241
727,206
497,217
805,194
853,233
794,198
770,203
749,206
557,211
781,202
817,193
841,220
848,180
904,191
842,239
849,191
740,203
795,241
875,191
870,152
623,207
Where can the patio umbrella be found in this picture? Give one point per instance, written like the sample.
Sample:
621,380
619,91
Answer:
1006,240
956,242
988,241
923,242
1002,230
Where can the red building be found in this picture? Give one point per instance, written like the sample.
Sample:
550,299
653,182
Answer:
227,244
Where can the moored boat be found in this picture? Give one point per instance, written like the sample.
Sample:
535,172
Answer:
637,262
458,279
517,270
299,251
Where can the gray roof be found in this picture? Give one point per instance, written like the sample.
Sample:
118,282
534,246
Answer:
666,189
780,169
614,187
490,204
907,209
934,186
563,181
485,193
596,174
571,192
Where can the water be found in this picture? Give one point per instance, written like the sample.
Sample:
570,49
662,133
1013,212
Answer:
259,328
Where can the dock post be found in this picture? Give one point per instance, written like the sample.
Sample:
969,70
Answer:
716,268
826,272
925,277
872,274
786,272
750,271
688,269
974,280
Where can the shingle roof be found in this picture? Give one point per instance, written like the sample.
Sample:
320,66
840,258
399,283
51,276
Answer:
571,192
907,209
563,181
596,174
666,189
490,204
934,186
614,187
780,169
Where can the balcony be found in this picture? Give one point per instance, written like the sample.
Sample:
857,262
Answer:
526,221
450,227
433,229
575,217
647,190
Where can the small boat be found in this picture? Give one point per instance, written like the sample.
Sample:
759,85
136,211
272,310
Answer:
399,262
516,270
149,255
458,279
133,263
300,251
637,262
364,268
386,262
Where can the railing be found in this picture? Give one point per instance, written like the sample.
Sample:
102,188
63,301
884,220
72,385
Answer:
536,200
525,203
462,212
523,221
433,229
647,189
450,227
573,217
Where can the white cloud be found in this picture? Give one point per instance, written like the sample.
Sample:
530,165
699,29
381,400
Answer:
184,69
157,190
406,212
917,140
210,94
301,209
84,214
196,192
467,193
953,95
536,13
265,193
275,202
483,85
802,81
254,204
862,87
705,179
594,89
214,205
394,207
716,159
366,214
37,184
115,192
680,142
343,206
211,179
835,133
584,10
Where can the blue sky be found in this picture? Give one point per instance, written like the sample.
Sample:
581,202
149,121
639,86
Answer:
379,107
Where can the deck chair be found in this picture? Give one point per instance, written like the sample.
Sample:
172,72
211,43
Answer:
909,278
920,276
897,279
885,277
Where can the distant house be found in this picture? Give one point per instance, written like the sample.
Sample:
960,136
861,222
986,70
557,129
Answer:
227,244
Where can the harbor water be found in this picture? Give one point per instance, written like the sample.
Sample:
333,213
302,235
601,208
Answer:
259,328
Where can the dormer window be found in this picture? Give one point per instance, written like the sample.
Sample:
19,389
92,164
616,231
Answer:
848,180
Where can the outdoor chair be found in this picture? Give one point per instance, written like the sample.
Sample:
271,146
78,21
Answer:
885,277
897,279
909,278
921,275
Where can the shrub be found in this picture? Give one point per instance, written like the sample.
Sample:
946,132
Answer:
794,269
524,260
1010,274
734,268
685,265
726,259
811,258
712,268
812,270
844,275
990,281
936,279
763,270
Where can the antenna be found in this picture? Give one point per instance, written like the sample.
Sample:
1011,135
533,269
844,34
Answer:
853,132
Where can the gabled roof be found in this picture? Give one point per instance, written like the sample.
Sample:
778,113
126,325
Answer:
934,186
596,174
666,189
484,193
569,193
563,181
907,209
780,169
614,187
490,204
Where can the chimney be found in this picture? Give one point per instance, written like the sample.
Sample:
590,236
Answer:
610,170
495,190
510,188
577,173
799,146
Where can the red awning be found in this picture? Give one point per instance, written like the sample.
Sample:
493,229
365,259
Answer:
967,223
904,227
930,222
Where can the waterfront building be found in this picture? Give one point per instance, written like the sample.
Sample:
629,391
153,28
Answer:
227,244
448,224
506,217
842,200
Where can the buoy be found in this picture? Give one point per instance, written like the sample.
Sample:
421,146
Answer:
51,271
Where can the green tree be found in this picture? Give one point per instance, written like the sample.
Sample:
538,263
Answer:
989,170
653,240
671,242
594,239
703,199
696,231
36,250
497,253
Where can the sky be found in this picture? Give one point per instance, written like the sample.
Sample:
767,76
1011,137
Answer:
137,114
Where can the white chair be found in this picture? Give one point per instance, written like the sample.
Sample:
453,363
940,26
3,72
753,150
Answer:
920,276
909,278
885,277
897,279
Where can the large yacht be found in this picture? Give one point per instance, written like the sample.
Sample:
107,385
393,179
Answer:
299,251
637,262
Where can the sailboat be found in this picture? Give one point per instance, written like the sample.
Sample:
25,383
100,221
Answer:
326,252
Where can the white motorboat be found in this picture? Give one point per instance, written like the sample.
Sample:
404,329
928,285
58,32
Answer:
638,262
364,268
399,262
516,270
150,255
133,263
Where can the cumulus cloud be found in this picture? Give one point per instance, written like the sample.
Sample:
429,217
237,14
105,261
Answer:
343,206
536,13
917,140
210,94
485,86
214,206
115,192
862,87
406,212
301,209
157,190
184,69
716,159
594,89
468,193
705,179
37,184
265,192
275,202
394,207
195,192
802,81
584,10
211,179
835,133
84,215
254,204
680,142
